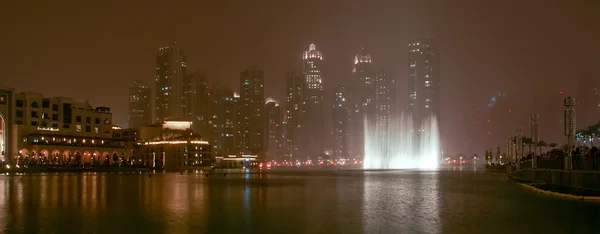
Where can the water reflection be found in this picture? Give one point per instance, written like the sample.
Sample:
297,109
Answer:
401,202
316,202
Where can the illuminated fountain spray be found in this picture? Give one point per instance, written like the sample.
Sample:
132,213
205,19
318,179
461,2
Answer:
396,146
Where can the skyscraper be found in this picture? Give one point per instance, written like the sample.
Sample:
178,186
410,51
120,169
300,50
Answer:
223,110
196,103
424,80
273,129
384,99
140,108
340,122
294,110
251,117
362,90
171,70
314,122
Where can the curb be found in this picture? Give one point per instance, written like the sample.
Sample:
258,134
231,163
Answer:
561,195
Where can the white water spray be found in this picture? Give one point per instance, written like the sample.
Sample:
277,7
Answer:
396,146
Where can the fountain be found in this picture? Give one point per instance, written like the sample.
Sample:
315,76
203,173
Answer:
397,146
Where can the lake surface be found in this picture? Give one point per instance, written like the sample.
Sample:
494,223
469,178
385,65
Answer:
445,201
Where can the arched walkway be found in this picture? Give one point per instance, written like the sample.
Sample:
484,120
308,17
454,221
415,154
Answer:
77,158
67,157
115,158
105,160
3,138
87,158
44,156
55,157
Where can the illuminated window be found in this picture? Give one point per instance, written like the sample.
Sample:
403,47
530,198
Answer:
78,128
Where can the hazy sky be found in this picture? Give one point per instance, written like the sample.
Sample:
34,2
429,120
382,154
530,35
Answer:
93,51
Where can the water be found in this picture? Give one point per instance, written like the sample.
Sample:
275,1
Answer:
396,146
467,201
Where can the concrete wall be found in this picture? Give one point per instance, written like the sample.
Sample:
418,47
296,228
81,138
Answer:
588,180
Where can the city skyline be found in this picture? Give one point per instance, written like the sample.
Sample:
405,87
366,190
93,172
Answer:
473,69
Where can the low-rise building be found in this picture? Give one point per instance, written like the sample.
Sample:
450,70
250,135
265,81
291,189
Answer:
57,131
172,145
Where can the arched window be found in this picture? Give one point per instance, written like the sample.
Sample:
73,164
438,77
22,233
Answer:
35,105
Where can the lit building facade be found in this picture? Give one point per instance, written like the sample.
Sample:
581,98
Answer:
61,131
384,99
8,142
313,103
197,103
424,80
223,111
274,136
294,111
340,123
172,145
171,71
251,117
362,88
140,106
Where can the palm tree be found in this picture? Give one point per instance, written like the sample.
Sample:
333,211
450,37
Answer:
528,141
541,144
580,135
552,145
592,131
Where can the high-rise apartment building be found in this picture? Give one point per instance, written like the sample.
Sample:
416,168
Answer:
273,130
384,99
313,102
196,102
251,117
361,106
140,107
294,111
171,71
424,80
340,122
223,111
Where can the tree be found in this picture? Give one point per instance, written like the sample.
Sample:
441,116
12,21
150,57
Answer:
553,145
542,144
528,141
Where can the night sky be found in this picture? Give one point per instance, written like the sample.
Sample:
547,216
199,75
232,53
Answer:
93,51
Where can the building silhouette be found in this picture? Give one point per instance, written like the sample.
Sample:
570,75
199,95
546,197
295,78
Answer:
171,71
274,131
251,114
313,103
294,111
424,80
140,105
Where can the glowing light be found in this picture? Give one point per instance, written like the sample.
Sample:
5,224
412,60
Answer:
48,129
116,127
396,147
270,99
177,125
176,142
236,95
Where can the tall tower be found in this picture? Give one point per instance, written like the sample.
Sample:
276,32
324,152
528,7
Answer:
314,122
384,99
223,110
273,129
361,96
294,111
340,123
171,70
197,107
140,108
424,80
251,117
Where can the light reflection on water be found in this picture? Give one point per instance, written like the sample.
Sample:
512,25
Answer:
295,202
411,207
